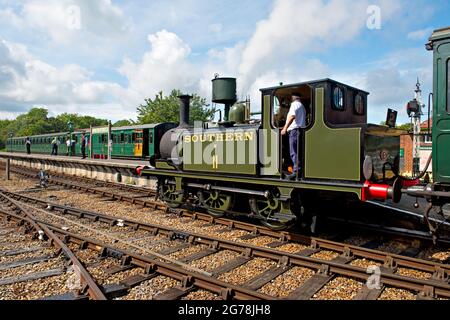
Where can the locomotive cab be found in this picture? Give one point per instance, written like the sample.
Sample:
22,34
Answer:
281,105
336,146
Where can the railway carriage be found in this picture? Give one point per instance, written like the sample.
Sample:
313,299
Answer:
42,144
133,142
437,193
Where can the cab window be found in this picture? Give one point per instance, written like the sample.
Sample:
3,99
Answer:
359,104
282,100
338,99
280,111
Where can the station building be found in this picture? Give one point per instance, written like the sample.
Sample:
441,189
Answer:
425,150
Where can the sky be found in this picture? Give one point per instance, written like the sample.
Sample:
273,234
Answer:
104,57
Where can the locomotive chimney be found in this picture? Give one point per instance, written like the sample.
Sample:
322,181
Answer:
185,101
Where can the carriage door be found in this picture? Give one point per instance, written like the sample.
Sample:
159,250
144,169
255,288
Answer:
145,143
137,138
441,118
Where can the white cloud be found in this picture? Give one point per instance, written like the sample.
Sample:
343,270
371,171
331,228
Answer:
293,30
165,67
391,81
26,81
59,18
420,34
279,49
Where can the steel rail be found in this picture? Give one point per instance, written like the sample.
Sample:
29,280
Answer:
224,289
103,184
93,289
402,261
441,288
192,212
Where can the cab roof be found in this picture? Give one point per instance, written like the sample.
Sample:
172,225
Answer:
313,83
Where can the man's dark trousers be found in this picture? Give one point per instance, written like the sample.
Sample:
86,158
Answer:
293,144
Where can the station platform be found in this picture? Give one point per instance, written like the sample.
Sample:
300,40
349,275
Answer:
113,170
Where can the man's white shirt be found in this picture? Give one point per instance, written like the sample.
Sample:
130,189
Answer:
299,112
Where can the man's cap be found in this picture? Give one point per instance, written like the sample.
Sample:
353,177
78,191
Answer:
296,95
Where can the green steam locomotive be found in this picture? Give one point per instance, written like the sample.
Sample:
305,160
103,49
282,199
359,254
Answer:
239,165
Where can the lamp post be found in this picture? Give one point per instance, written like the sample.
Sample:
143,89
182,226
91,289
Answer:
414,109
70,125
10,141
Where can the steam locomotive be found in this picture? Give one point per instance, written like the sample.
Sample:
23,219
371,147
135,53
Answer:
239,165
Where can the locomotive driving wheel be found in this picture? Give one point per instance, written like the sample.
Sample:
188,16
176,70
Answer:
269,210
170,195
216,202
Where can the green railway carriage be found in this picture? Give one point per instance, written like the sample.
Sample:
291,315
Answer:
133,142
245,163
42,144
437,193
440,44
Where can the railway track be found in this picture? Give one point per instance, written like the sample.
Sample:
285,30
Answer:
33,256
148,199
181,251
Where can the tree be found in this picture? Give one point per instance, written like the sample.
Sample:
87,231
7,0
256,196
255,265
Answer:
79,122
36,121
124,123
4,132
406,127
166,109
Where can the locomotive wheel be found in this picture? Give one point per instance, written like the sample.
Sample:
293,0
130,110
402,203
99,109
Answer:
216,202
266,209
170,195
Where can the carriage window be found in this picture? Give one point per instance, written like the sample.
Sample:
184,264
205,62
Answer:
122,137
338,99
359,104
150,137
